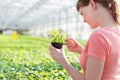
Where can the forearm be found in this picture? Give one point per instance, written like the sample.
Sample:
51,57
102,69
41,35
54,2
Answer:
75,74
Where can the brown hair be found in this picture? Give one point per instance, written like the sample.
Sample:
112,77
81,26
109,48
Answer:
111,5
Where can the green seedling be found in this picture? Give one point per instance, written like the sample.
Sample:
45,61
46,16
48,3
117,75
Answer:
58,38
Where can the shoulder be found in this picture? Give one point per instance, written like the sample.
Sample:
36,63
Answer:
99,33
99,36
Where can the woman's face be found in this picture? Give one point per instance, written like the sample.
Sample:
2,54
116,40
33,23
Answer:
89,16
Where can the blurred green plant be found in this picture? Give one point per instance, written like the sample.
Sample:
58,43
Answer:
24,58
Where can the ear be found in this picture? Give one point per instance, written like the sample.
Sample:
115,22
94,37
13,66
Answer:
92,2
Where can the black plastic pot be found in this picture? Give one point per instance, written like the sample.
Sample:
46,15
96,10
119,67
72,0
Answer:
57,45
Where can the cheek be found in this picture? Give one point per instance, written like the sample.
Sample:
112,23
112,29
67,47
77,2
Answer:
88,18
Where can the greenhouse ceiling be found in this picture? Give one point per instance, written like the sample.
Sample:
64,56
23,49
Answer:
23,14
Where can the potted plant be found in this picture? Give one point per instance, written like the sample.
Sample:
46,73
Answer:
58,38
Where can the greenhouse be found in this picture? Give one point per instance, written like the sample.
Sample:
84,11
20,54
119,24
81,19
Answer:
25,38
39,16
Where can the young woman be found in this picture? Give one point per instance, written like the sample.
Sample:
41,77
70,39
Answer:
100,59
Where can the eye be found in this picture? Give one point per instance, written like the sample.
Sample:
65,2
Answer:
81,13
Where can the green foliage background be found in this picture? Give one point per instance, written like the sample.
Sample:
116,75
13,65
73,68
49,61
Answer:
27,58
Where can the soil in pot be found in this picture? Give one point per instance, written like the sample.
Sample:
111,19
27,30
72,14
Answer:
57,45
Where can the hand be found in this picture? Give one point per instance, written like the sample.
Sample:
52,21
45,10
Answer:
73,45
57,54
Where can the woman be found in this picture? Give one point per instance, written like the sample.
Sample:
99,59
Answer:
100,59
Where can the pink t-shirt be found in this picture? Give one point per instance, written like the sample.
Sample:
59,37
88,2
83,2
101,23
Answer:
104,44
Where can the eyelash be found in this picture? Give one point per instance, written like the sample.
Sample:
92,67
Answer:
81,13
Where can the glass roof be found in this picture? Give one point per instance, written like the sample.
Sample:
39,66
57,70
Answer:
28,13
25,14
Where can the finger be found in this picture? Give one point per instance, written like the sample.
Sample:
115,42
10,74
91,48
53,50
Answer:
66,41
69,39
69,45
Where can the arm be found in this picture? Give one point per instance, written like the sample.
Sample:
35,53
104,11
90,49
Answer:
59,56
93,72
94,69
74,73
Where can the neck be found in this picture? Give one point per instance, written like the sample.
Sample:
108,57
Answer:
104,18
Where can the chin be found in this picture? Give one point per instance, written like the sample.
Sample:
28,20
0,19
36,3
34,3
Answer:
94,26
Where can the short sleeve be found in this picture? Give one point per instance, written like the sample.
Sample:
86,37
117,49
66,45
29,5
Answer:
97,46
